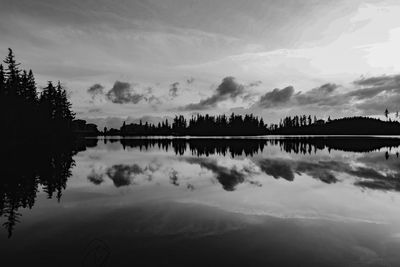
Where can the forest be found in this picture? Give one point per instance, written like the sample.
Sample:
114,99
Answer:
200,125
343,126
250,125
27,113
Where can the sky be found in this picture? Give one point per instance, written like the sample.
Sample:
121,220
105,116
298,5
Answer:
126,60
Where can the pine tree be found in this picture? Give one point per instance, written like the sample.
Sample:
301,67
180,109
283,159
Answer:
31,92
47,102
12,74
63,106
2,82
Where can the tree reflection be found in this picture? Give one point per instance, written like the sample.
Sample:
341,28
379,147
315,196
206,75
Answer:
250,147
325,171
30,167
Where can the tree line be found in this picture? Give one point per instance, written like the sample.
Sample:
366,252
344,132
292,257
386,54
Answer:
208,125
201,125
26,112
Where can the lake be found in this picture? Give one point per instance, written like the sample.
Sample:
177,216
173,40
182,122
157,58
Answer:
295,201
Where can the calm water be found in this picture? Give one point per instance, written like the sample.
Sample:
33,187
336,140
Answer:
204,202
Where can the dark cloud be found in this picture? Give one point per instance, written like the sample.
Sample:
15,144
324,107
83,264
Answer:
228,89
373,86
286,96
284,168
190,80
96,178
173,178
254,84
154,100
122,175
321,170
122,93
380,174
190,187
378,81
369,96
321,96
229,178
276,97
95,90
173,89
277,169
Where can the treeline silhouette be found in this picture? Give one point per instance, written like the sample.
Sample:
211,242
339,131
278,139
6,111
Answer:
24,111
252,146
200,125
344,126
28,167
199,147
250,125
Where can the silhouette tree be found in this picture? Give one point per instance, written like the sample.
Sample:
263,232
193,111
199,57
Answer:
24,113
204,125
2,82
12,74
343,126
386,113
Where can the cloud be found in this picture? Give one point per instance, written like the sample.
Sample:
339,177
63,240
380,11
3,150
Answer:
276,97
379,174
321,96
284,168
122,93
378,81
254,84
228,89
173,89
190,80
375,85
229,178
367,96
95,90
277,169
173,178
96,178
152,99
94,110
122,175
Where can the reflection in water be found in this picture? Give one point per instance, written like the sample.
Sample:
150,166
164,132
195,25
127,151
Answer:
250,147
30,169
268,202
229,178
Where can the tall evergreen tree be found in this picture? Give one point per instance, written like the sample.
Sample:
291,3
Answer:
63,105
2,81
12,74
23,111
31,91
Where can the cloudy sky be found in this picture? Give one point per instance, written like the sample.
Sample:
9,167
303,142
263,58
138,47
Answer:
131,59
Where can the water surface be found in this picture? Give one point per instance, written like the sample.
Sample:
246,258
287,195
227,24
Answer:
184,202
